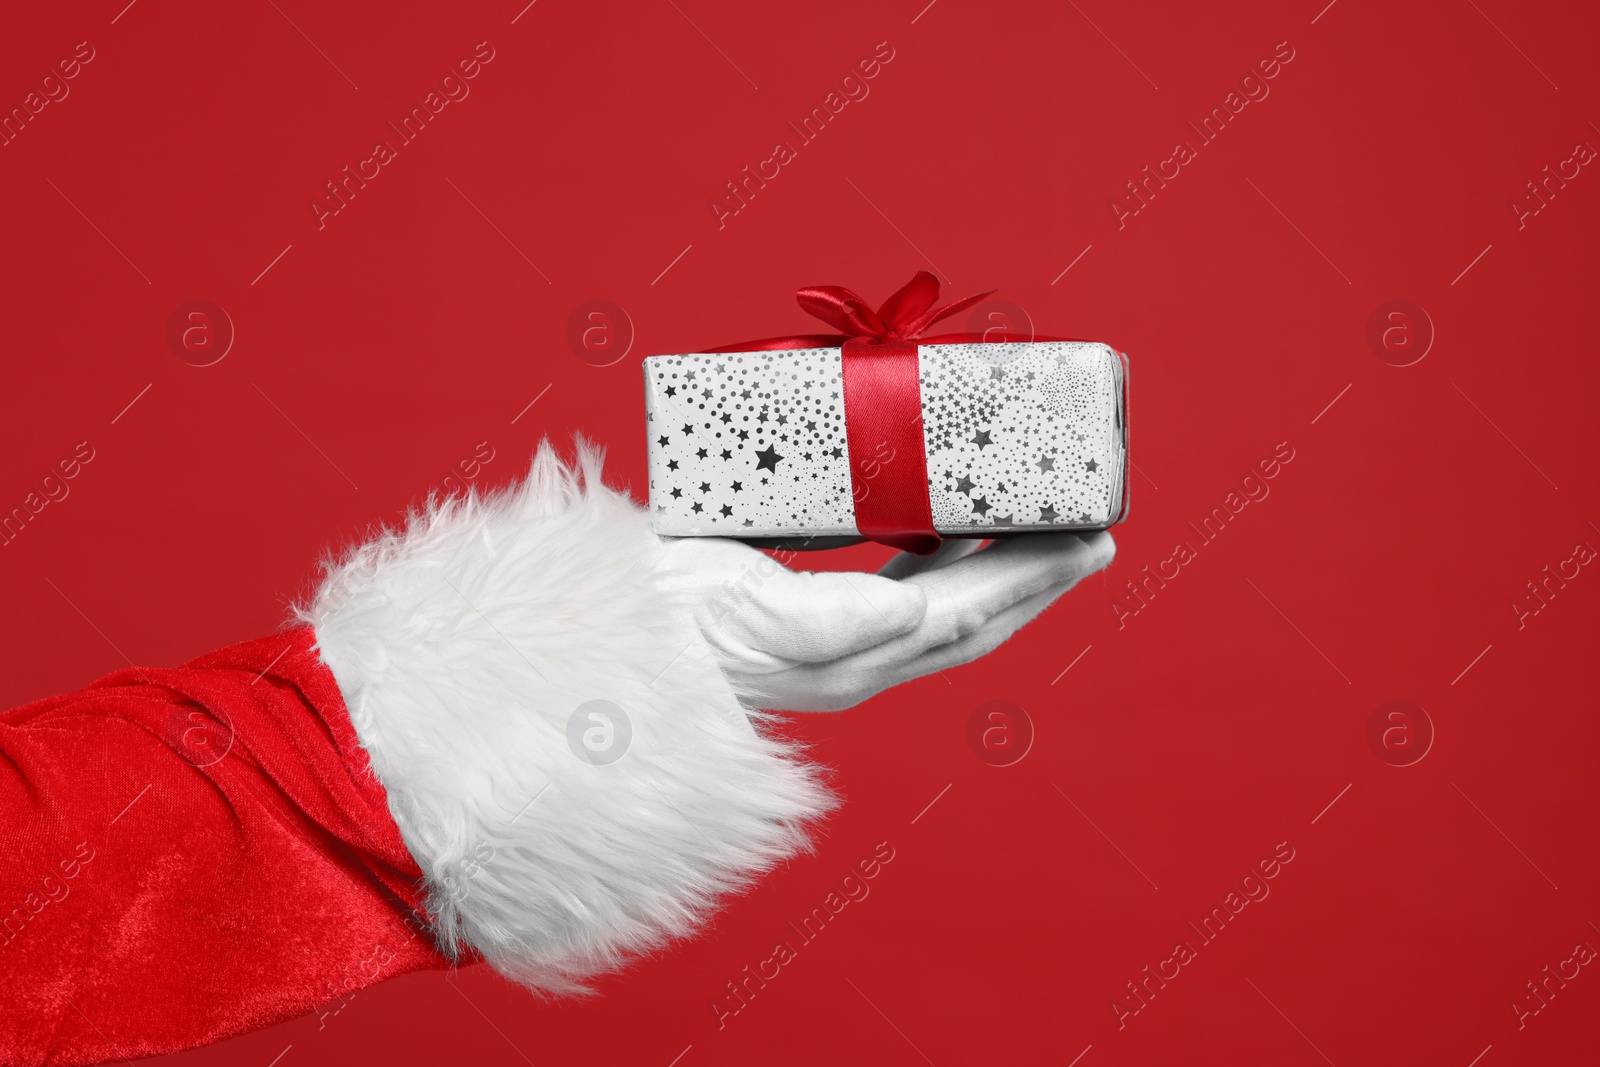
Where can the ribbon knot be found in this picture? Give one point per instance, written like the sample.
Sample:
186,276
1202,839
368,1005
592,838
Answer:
903,317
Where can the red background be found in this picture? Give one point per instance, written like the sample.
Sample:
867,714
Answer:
1222,719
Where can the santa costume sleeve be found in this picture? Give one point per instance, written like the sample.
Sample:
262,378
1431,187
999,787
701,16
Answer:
403,780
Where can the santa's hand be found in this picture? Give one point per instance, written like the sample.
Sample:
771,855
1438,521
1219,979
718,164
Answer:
478,648
823,641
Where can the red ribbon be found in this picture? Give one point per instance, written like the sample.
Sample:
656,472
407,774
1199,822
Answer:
883,398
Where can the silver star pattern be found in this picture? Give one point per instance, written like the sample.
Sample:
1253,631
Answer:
1017,436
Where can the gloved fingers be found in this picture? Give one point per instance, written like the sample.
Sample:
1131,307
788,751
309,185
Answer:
967,593
846,683
816,617
988,637
814,686
762,617
969,613
825,641
908,563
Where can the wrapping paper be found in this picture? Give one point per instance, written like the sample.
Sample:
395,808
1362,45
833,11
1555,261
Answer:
1019,436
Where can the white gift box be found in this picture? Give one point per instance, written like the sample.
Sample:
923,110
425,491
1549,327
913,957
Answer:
1019,436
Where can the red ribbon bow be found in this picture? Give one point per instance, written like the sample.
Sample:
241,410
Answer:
902,317
882,398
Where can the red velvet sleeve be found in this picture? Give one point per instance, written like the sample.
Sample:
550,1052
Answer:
191,853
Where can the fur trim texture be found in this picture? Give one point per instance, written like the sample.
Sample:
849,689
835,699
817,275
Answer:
567,765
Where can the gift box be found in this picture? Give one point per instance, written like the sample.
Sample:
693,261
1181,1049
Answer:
903,440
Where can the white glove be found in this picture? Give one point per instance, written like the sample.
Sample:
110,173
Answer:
823,641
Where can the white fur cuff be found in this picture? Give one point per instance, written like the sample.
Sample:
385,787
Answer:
571,771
